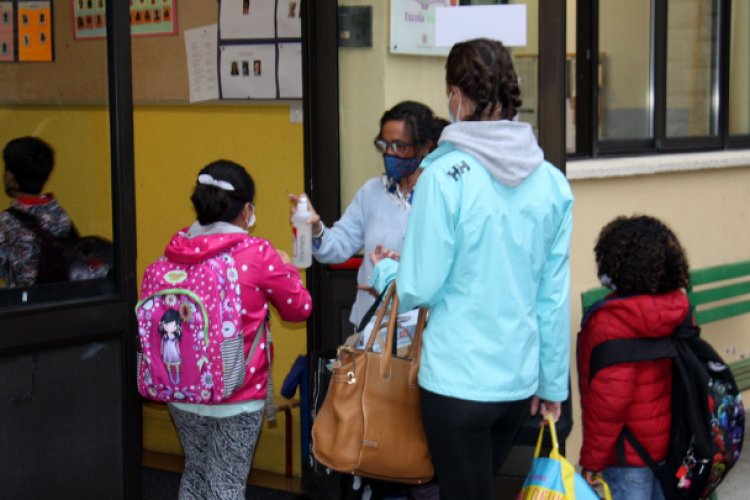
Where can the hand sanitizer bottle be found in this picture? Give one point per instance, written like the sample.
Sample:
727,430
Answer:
302,232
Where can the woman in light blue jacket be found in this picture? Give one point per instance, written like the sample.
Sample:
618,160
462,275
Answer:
487,250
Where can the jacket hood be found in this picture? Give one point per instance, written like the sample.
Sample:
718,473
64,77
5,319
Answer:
647,315
507,149
198,243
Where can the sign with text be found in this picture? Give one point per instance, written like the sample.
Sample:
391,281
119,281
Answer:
413,26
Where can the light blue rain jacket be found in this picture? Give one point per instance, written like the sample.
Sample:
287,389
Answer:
487,250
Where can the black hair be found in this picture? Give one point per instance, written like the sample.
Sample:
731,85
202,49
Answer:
641,255
421,123
483,70
213,204
30,160
169,316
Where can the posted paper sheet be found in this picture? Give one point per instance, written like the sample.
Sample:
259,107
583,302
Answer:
201,50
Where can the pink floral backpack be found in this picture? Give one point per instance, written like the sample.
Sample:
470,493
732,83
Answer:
190,330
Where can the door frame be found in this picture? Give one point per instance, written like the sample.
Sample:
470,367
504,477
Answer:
110,317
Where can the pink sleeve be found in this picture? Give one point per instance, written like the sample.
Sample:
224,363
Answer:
283,287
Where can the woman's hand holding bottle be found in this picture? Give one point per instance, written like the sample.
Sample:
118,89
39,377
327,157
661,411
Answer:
314,221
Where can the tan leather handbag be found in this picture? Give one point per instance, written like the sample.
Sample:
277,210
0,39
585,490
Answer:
370,423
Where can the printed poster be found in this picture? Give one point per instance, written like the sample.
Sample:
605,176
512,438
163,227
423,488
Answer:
34,31
413,26
7,38
147,18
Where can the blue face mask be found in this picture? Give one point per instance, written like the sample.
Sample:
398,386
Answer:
397,168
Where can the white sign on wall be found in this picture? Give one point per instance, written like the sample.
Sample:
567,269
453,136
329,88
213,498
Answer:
431,27
413,26
506,23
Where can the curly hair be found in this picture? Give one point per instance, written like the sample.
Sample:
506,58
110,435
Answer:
641,255
483,70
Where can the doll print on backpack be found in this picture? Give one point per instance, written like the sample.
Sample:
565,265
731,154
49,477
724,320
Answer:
169,327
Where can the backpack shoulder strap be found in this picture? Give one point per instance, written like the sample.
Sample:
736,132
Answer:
30,222
611,352
270,408
628,436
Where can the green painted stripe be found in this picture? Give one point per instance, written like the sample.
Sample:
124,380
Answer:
718,273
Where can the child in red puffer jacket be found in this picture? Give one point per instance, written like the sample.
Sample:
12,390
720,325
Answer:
643,263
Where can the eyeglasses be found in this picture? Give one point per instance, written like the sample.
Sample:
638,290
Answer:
397,147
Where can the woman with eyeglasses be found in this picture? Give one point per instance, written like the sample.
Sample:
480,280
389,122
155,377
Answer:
378,213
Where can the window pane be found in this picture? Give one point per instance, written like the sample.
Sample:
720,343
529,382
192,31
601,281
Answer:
62,102
692,68
570,76
625,100
739,69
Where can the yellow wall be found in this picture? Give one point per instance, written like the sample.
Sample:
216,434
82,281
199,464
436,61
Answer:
81,177
172,143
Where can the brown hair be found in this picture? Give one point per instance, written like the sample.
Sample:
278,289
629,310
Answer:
483,70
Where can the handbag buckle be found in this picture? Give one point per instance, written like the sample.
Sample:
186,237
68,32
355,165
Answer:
350,378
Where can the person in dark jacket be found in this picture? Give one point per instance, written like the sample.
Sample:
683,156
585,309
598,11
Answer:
643,263
29,161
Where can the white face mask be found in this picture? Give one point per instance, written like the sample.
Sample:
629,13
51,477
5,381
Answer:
453,118
606,281
251,222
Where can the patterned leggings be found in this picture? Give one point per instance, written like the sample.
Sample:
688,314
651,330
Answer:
218,453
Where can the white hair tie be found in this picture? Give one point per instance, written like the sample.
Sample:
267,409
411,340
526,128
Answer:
207,180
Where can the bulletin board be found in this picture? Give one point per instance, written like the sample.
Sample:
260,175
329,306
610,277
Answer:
78,74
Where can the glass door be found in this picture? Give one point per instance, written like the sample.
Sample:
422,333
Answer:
67,394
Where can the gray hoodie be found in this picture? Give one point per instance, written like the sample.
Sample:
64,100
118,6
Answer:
507,149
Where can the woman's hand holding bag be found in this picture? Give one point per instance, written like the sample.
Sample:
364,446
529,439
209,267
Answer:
554,477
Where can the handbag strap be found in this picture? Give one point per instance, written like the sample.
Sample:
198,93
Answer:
416,345
390,292
371,311
387,350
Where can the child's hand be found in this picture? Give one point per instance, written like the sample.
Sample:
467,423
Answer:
381,253
284,256
590,476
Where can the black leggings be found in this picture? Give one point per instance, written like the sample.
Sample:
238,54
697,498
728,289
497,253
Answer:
469,440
